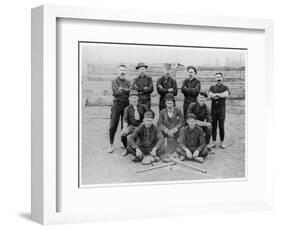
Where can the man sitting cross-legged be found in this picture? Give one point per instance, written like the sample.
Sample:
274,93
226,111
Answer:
192,145
170,122
203,114
133,117
146,140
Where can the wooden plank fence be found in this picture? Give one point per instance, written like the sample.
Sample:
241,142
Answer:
96,86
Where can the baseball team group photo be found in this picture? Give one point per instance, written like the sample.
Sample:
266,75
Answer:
157,113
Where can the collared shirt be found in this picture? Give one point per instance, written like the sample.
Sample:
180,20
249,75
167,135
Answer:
218,102
129,114
165,122
121,95
202,113
193,139
191,88
143,81
166,83
146,137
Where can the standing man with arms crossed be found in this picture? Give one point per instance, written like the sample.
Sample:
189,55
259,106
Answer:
120,90
190,88
166,84
143,84
218,94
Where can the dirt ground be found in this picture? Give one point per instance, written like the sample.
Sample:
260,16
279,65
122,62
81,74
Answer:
100,167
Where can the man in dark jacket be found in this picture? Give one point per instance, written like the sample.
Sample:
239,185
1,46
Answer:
203,114
120,90
133,117
170,122
166,84
190,88
144,85
192,145
218,94
146,139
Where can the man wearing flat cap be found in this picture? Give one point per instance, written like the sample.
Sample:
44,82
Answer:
203,114
192,145
146,140
133,117
120,90
166,84
170,122
190,88
143,84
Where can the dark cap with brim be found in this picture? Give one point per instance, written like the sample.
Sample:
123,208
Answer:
169,97
149,114
204,93
141,64
134,93
191,115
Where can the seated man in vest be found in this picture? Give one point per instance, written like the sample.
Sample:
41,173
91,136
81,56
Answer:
133,117
192,145
203,114
170,122
146,140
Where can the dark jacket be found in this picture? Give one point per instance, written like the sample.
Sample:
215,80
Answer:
165,122
129,114
162,85
190,89
193,139
146,137
120,95
202,113
166,83
139,83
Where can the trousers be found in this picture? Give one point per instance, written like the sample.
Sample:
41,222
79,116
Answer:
204,152
117,113
218,119
146,150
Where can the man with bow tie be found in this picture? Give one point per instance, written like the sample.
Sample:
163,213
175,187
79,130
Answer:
133,117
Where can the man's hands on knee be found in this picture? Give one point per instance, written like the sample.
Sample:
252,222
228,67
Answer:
188,153
139,153
195,154
153,152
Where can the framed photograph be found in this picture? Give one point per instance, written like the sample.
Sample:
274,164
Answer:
136,114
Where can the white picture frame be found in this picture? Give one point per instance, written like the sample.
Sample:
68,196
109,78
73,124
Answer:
44,180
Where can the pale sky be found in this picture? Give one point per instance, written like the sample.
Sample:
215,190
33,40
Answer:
115,53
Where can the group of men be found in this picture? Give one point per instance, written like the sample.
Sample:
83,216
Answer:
180,134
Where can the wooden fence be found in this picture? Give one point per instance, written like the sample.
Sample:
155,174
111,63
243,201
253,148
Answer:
96,86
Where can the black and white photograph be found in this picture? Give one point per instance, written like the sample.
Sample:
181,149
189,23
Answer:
161,113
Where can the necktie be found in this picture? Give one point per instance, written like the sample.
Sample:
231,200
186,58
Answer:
136,113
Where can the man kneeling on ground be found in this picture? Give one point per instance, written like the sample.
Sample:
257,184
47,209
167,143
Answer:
192,144
146,143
